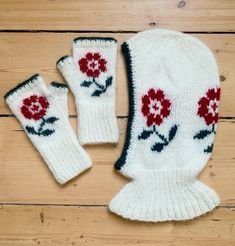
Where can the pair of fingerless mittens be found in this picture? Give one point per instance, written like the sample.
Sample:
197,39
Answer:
43,111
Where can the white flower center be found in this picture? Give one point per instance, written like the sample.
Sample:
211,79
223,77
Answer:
35,107
93,65
155,107
213,107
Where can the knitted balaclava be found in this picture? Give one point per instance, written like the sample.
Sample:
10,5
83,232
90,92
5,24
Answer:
174,93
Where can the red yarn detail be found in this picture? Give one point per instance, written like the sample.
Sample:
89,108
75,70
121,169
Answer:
34,107
155,107
208,106
92,64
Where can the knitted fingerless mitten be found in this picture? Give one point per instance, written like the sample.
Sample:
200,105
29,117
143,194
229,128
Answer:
174,94
43,114
91,75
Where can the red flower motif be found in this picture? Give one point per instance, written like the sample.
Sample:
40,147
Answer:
155,107
208,106
34,107
92,64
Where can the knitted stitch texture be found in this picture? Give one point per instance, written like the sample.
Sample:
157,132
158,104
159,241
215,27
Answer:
43,113
91,75
174,94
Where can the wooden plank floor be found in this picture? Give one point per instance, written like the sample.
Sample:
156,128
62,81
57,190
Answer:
34,209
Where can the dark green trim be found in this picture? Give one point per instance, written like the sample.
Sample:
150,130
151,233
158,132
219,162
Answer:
30,80
95,39
128,59
58,85
62,59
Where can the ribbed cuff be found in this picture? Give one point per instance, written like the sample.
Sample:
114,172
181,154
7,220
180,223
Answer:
90,42
65,62
164,195
58,87
66,159
23,87
97,123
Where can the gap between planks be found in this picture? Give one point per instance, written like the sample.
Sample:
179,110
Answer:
119,117
99,31
75,205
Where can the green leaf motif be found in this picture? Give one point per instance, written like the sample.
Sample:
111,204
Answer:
47,132
158,147
202,134
31,130
172,132
97,93
51,120
145,134
109,81
86,83
209,149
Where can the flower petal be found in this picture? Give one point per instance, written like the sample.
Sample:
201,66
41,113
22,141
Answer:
96,73
152,94
25,111
217,94
150,120
27,102
44,103
89,56
165,112
158,120
159,95
211,94
102,65
96,56
166,103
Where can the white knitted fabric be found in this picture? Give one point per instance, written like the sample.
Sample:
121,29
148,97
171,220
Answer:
43,114
174,94
91,75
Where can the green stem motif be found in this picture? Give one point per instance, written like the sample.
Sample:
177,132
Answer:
42,124
203,134
100,89
97,84
159,146
41,131
213,129
162,137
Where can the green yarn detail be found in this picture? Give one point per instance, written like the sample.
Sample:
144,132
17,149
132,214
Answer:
24,83
58,85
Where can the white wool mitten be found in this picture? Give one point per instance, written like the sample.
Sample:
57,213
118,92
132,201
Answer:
174,92
91,75
43,114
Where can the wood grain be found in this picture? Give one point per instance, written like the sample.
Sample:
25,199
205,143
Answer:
60,225
26,179
34,209
111,15
23,54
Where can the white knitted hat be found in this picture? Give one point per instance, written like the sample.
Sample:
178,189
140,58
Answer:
174,94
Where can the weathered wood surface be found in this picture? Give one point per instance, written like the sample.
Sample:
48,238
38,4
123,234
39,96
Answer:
61,225
26,179
112,15
23,54
35,209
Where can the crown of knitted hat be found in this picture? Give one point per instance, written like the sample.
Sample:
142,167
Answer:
174,94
